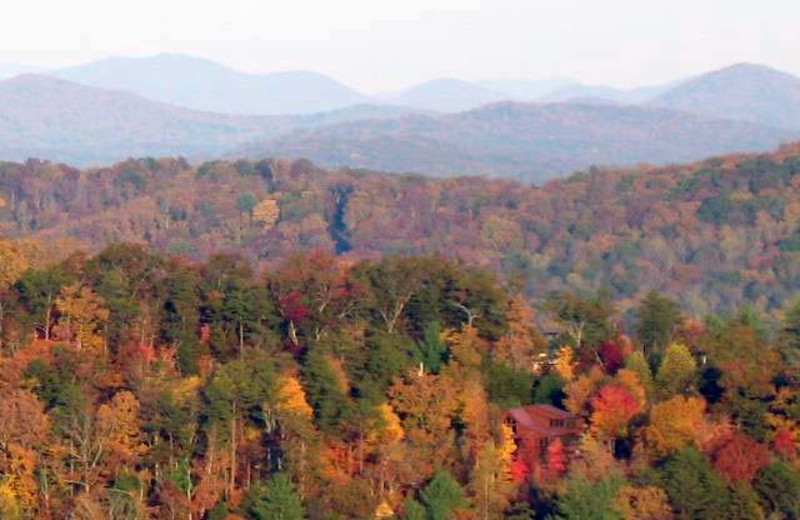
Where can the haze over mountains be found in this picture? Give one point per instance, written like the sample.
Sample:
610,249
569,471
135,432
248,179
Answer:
746,92
205,85
528,141
176,105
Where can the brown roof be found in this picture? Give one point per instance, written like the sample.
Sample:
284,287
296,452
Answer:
536,418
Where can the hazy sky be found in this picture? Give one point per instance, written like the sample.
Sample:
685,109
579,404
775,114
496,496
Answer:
382,45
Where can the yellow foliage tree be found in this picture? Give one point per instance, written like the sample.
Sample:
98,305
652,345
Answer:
565,363
10,507
292,398
119,424
643,503
580,391
389,427
84,315
674,424
267,212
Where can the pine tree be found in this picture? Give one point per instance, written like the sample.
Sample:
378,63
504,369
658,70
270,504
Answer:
442,496
693,487
277,500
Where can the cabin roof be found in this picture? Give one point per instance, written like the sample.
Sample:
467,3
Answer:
536,418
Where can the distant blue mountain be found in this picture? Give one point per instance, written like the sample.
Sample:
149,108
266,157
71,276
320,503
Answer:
746,92
445,95
9,70
205,85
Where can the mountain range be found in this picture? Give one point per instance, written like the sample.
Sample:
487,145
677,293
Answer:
205,85
528,141
176,105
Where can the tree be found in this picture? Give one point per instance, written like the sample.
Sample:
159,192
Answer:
432,348
520,345
84,315
442,497
643,503
327,390
674,424
587,321
748,363
778,485
677,373
790,336
614,407
393,283
276,500
38,290
695,490
742,503
12,265
658,321
637,364
180,320
586,499
740,458
237,392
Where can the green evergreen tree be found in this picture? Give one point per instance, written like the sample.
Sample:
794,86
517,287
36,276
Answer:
585,499
742,504
326,391
433,351
696,491
550,390
778,485
442,496
658,319
276,500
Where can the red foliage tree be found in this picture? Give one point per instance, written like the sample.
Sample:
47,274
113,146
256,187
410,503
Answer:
741,457
784,444
614,407
556,459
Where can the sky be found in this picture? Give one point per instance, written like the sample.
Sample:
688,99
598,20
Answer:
383,45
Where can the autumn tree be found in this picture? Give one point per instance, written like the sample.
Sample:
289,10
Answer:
674,424
12,265
613,408
740,458
643,503
83,315
522,343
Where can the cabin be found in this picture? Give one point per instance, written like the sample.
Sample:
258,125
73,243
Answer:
536,426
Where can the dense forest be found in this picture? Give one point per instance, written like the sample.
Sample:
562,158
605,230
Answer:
715,235
141,386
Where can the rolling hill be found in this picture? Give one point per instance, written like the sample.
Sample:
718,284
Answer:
715,234
49,118
520,89
533,142
445,95
202,84
745,92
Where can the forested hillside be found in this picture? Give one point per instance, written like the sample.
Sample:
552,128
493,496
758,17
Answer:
525,141
715,235
134,386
